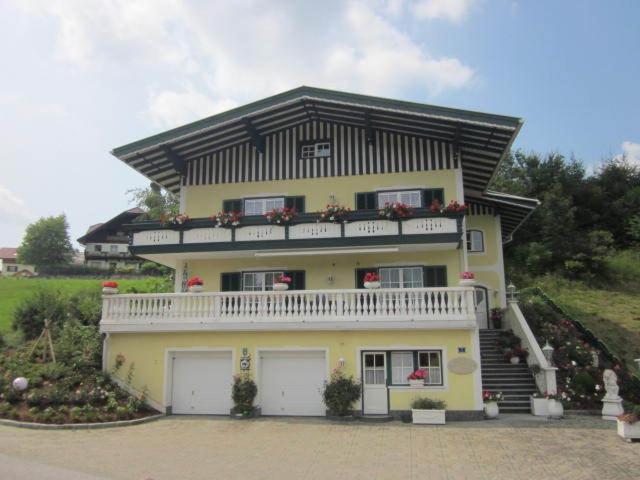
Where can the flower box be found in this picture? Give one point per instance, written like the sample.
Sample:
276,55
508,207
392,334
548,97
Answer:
428,417
416,383
371,285
467,282
280,286
539,406
629,431
195,288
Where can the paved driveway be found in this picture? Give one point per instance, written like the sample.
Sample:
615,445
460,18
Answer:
217,448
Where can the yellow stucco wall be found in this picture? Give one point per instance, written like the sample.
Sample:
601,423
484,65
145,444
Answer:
206,200
341,268
147,352
488,265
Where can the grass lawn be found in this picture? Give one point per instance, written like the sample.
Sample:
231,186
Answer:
14,290
612,314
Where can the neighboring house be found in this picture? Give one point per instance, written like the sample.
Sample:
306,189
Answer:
106,245
306,148
9,265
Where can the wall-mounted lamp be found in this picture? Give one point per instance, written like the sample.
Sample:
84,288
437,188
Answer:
341,362
511,292
330,279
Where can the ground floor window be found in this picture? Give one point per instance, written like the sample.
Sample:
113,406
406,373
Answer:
403,363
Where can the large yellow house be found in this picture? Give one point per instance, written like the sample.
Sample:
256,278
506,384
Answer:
306,149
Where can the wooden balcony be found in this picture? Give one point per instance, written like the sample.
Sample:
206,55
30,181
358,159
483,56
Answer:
421,308
364,228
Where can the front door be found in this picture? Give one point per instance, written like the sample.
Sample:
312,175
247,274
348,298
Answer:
481,307
374,395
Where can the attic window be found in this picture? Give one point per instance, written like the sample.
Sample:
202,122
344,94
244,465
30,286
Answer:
315,150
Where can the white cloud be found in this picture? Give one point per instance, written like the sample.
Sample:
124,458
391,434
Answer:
172,108
13,209
452,10
630,152
240,51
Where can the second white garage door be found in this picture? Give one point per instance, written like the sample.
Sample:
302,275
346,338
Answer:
291,382
202,383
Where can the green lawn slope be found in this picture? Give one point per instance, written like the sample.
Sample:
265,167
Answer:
14,290
609,308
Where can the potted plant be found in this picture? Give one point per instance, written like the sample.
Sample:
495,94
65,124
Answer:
195,284
339,394
516,354
226,219
334,213
496,318
371,280
280,216
174,220
417,378
491,399
243,393
425,411
109,288
395,211
282,283
629,424
436,206
467,279
554,405
539,405
455,207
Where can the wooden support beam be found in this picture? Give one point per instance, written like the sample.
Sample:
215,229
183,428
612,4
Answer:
257,140
179,165
369,130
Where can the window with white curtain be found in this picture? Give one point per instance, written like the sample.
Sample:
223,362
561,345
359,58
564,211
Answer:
259,281
260,206
408,197
431,363
401,367
475,241
401,277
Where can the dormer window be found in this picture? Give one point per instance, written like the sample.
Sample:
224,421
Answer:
316,150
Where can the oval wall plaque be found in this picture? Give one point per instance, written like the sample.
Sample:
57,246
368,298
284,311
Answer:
462,365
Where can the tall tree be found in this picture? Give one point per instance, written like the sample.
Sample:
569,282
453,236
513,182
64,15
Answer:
155,201
46,242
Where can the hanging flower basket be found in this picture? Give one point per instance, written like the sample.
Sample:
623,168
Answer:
109,288
195,284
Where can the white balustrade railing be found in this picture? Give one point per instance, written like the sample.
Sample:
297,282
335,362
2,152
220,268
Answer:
421,226
156,237
301,306
260,232
314,230
368,228
207,235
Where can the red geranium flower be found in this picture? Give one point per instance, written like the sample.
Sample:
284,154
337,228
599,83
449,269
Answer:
371,277
109,284
194,281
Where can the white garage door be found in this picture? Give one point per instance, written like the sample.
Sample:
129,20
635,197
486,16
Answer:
202,383
291,383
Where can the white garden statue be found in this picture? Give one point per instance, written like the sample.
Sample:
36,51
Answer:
611,403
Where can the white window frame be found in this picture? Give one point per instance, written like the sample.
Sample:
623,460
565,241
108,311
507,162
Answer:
472,244
429,369
379,372
401,274
316,150
399,373
264,278
392,196
264,204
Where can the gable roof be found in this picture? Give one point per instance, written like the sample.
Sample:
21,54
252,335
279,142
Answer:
483,138
96,232
8,253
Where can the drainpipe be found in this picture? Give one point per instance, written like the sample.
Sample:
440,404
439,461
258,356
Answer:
105,352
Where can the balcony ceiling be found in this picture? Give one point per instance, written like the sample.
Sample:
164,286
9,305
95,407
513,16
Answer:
483,139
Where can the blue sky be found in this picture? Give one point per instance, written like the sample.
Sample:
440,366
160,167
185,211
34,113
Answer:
81,77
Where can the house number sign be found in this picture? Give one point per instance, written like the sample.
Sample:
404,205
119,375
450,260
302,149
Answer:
245,360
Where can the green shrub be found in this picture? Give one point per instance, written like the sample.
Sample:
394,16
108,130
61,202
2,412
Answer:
424,403
583,384
340,393
243,393
29,315
86,307
79,347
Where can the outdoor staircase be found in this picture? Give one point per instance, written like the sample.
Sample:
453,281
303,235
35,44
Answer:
498,375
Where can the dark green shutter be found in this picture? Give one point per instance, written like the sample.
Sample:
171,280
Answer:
366,201
297,279
360,273
231,282
295,202
435,276
232,205
431,194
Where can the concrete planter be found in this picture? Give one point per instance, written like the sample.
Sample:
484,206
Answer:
491,410
196,288
515,360
556,410
416,383
428,417
629,431
280,287
371,285
539,407
109,290
467,282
